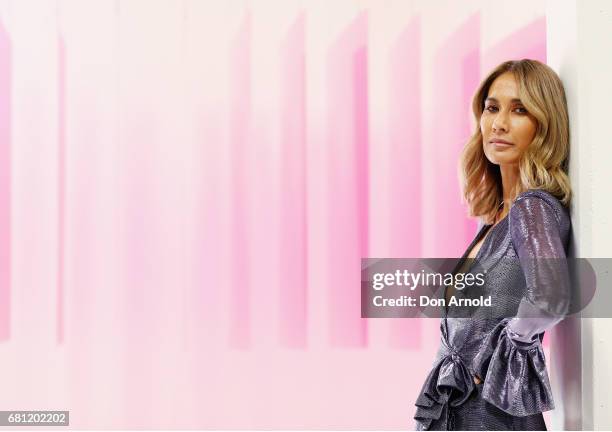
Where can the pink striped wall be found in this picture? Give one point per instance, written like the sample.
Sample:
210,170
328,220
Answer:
347,141
61,185
239,121
5,183
293,301
405,124
187,189
450,130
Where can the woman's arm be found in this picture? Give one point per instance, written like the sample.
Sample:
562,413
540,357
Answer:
537,239
512,359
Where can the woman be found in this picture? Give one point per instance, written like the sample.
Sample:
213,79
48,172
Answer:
490,373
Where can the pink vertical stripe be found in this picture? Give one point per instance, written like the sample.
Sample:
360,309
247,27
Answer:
347,133
526,42
61,186
405,163
240,115
293,236
141,124
360,84
456,74
142,272
5,184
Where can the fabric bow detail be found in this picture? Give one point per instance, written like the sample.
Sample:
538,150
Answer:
449,382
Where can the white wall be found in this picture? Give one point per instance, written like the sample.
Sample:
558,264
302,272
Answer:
579,46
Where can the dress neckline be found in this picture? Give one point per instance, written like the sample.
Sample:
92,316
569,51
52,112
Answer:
487,240
485,229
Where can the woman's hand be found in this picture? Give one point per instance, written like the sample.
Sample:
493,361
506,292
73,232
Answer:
477,380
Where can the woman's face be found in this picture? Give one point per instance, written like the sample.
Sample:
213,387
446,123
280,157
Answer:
506,126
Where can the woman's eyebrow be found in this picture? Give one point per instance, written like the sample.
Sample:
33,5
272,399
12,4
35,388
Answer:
492,99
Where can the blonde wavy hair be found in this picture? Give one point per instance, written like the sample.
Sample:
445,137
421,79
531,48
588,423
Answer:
545,161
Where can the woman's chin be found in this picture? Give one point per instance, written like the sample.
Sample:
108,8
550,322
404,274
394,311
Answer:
499,158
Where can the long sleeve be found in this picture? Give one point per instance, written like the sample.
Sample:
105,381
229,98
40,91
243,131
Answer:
537,239
511,360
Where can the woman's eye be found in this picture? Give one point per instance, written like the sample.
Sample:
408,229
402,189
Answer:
493,108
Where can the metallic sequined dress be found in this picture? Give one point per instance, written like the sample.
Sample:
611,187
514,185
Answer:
524,259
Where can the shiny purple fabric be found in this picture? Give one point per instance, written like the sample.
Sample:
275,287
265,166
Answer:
524,258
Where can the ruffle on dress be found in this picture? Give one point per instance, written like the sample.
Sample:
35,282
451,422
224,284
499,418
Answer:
514,373
450,383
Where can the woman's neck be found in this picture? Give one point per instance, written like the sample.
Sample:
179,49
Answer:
510,180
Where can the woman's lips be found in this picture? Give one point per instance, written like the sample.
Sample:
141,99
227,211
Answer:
500,143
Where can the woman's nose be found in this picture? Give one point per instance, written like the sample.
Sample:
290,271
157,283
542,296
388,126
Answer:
500,122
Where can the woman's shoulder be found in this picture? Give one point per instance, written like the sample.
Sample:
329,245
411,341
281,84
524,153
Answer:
533,202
